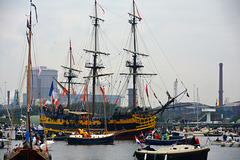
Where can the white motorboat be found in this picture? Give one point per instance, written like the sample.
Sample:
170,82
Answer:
174,152
49,145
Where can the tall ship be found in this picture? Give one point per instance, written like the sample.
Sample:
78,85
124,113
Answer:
128,124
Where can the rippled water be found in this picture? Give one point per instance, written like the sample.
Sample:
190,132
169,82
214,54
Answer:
122,150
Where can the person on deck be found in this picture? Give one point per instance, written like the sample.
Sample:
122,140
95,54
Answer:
193,141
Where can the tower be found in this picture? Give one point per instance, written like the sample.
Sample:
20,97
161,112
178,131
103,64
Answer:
220,84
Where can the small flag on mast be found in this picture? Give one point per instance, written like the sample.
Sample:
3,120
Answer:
39,70
105,99
147,91
64,92
51,93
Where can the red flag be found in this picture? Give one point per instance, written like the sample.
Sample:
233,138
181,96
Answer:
101,8
147,91
117,101
73,91
56,106
83,97
137,102
64,92
105,99
44,102
137,11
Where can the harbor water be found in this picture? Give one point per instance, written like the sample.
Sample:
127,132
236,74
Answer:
122,150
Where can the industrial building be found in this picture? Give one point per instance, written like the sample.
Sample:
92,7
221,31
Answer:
41,83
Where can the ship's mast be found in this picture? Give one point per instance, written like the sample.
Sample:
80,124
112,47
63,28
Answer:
29,76
70,75
134,56
135,64
95,52
94,69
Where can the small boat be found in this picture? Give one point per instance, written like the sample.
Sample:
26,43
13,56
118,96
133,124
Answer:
214,142
92,140
174,152
18,135
230,144
213,134
49,145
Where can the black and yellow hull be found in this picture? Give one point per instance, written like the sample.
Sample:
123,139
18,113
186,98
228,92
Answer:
128,126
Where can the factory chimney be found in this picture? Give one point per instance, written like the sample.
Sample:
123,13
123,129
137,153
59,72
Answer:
220,84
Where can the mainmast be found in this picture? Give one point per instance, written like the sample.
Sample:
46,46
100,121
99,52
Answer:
94,69
94,66
29,76
134,55
134,65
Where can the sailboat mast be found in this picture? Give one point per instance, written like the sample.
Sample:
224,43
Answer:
94,62
134,56
29,77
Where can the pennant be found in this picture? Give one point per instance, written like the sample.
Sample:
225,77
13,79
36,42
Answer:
117,101
35,11
39,70
51,93
64,92
105,99
28,25
137,102
137,11
73,91
138,142
83,97
44,102
56,106
101,8
147,91
30,108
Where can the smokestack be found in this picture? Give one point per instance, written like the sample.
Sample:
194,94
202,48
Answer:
220,84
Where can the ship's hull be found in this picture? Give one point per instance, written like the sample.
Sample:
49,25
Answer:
127,127
93,140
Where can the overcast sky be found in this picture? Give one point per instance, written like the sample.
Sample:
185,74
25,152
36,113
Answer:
195,36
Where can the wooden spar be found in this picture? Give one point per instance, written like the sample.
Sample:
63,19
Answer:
29,79
99,75
71,69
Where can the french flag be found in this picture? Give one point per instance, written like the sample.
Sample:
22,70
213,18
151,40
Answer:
51,93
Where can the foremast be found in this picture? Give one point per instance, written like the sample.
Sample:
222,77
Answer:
70,74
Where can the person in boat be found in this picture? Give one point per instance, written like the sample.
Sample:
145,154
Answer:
156,136
41,138
193,141
34,139
224,137
164,137
230,139
25,144
81,132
